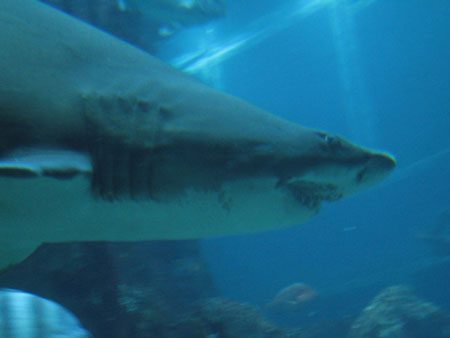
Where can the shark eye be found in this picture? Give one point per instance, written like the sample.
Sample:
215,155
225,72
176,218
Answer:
326,138
330,142
329,139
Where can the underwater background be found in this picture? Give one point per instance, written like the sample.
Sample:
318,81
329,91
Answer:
379,76
376,72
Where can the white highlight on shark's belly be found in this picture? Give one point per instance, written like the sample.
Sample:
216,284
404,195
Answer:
51,210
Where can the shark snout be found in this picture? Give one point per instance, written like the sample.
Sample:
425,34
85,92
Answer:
384,162
376,168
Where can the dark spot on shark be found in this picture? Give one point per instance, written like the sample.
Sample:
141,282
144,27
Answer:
121,172
360,175
62,174
143,106
224,200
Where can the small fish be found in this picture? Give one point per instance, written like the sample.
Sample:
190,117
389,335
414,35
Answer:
292,298
23,315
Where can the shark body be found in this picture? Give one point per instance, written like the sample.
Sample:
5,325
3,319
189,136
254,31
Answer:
101,141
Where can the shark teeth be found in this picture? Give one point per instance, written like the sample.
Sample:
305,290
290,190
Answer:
311,194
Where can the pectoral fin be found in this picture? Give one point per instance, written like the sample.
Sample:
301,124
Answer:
56,163
13,254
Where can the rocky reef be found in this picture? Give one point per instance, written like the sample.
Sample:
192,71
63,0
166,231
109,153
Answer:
397,313
144,289
117,289
164,289
218,317
137,290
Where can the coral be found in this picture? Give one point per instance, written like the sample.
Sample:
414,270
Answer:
397,313
323,329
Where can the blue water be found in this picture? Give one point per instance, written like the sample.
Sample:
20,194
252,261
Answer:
358,246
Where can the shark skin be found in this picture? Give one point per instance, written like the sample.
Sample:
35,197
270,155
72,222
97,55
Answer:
102,142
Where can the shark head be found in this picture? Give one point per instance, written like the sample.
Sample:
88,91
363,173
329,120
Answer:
236,166
330,168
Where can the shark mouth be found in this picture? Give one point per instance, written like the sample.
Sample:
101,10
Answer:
311,194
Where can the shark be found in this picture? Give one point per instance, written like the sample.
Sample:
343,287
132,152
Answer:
101,141
183,12
173,15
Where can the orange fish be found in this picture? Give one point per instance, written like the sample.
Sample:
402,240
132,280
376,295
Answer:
292,298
